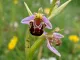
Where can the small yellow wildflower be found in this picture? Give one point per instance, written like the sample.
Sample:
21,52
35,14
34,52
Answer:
46,10
74,38
12,43
15,1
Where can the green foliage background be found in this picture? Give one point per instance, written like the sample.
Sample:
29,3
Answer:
68,20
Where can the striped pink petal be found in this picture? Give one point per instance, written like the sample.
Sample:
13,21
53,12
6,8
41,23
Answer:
52,48
47,22
27,19
57,35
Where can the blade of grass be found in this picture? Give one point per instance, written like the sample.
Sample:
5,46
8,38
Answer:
29,11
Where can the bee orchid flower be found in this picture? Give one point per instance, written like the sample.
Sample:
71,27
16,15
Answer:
55,37
37,23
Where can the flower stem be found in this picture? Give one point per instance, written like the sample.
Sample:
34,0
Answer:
52,6
27,46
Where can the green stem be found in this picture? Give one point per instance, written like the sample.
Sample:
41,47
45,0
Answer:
27,46
27,40
52,6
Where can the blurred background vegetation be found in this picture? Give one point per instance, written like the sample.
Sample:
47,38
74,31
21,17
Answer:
13,11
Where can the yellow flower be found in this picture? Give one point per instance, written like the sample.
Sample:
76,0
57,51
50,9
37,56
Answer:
12,43
15,1
46,10
74,38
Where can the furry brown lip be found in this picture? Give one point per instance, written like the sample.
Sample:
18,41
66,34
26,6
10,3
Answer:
36,31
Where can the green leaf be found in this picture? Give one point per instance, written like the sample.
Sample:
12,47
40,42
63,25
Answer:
29,11
27,44
52,6
58,10
36,45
